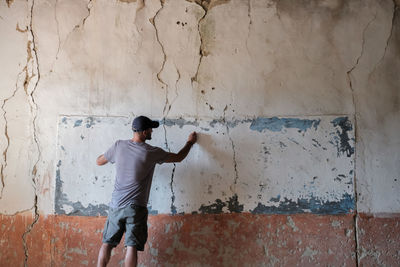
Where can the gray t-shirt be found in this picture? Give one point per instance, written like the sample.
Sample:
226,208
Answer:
135,164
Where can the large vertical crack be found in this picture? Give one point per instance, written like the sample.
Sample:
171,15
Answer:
204,6
167,105
3,166
236,177
349,74
34,107
164,84
171,184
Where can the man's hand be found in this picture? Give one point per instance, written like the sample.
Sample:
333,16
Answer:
101,160
172,157
192,138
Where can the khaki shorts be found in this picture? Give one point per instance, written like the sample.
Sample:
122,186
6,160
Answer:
131,220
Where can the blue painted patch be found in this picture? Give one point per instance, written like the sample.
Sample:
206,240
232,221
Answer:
90,122
78,123
276,124
275,199
151,211
64,120
179,122
313,205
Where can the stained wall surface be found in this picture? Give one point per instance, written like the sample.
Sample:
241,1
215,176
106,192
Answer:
296,104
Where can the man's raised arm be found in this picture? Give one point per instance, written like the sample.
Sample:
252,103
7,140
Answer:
181,155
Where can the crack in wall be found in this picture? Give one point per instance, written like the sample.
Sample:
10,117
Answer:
9,3
249,27
3,167
201,50
34,108
60,44
176,88
395,10
233,149
349,73
58,29
89,6
171,184
165,85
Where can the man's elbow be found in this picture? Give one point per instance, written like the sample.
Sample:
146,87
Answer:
174,158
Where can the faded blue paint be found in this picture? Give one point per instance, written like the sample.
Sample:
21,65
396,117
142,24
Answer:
90,122
276,124
78,209
151,211
313,205
179,122
78,123
276,199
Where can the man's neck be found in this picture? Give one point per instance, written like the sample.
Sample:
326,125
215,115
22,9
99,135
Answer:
137,139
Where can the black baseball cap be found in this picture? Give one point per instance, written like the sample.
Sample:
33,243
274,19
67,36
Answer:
142,123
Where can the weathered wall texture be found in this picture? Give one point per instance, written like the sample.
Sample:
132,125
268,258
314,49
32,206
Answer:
296,104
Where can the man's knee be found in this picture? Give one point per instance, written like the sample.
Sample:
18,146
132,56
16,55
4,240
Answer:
105,250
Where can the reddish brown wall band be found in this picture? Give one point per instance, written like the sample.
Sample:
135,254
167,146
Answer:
216,240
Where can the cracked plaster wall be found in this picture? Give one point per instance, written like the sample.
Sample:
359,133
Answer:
219,60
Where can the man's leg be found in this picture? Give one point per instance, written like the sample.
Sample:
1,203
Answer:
104,255
131,257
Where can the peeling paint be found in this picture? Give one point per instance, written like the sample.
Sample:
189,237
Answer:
179,122
344,140
78,123
343,206
276,124
216,208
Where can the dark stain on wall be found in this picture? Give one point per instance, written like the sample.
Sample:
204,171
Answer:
216,208
342,140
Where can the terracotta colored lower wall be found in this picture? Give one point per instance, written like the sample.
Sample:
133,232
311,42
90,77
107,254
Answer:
379,240
214,240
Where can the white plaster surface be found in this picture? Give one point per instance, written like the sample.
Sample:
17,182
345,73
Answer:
286,162
235,60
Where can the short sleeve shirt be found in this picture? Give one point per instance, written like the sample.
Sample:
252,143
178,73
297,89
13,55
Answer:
135,163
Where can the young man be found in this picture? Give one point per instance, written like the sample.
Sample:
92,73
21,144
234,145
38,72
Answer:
135,162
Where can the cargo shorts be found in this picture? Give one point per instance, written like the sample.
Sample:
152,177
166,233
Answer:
131,220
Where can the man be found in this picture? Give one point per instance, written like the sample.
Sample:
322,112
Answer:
135,161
